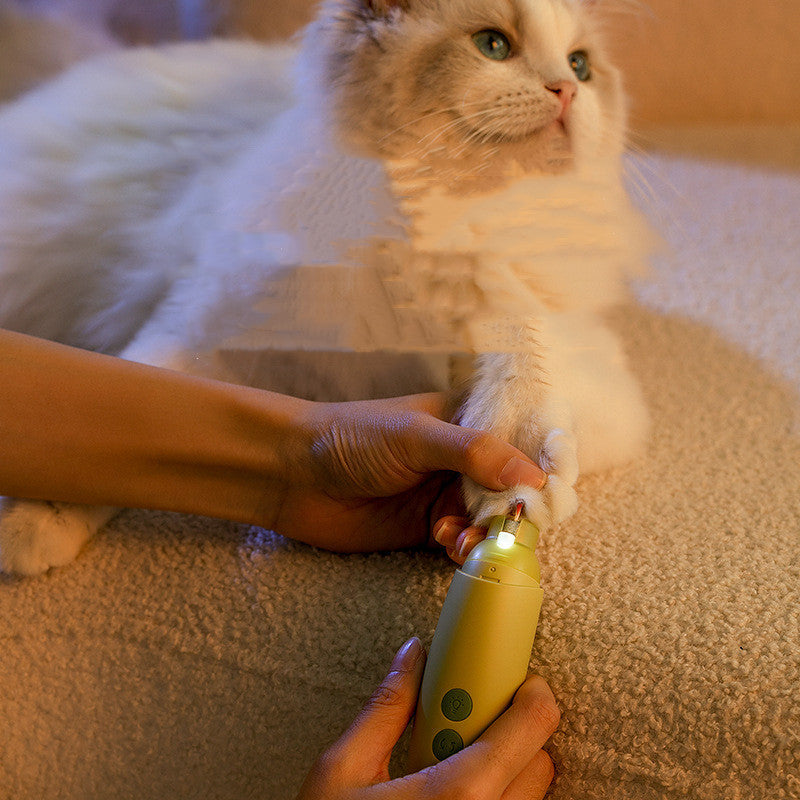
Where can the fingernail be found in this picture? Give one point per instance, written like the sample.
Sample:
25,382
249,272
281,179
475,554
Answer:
446,531
408,655
467,543
517,471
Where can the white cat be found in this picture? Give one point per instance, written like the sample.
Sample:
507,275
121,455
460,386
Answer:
439,177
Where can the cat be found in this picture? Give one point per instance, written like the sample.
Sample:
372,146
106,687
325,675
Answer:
424,183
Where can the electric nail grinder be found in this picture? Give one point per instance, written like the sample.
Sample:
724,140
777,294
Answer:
482,646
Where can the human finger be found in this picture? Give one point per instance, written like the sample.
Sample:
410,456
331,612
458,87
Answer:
458,537
467,540
447,529
533,781
488,460
507,752
433,403
508,745
361,756
522,730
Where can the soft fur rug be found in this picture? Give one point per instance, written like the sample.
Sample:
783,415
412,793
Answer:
184,657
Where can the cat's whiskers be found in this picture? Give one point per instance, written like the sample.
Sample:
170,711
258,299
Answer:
492,113
479,136
515,114
423,117
641,186
427,149
637,181
446,127
469,142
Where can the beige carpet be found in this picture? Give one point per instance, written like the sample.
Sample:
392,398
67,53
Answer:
187,658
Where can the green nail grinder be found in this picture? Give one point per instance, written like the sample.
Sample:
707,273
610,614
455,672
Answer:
482,646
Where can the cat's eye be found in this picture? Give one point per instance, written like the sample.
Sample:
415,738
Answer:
492,44
579,61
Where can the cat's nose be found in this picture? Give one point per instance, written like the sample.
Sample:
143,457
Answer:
565,91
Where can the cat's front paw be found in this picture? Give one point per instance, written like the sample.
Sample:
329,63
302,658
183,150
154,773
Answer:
545,507
36,536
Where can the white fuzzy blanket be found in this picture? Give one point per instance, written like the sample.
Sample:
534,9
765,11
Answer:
183,657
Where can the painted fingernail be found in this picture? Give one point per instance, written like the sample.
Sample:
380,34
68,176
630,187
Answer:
517,471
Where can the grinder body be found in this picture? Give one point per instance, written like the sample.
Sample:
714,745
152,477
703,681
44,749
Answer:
481,649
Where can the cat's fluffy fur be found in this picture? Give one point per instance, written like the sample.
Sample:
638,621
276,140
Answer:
179,207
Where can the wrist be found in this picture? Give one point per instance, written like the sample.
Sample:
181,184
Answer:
265,449
273,434
217,449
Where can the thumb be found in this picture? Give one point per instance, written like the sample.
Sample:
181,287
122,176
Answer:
480,455
364,751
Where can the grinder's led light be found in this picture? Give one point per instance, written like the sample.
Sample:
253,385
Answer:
505,540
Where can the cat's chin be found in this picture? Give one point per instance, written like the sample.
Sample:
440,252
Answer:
556,143
547,149
486,168
549,152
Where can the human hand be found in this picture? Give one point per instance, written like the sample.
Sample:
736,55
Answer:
507,761
382,475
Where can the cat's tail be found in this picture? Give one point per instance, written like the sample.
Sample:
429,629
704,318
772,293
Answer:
38,42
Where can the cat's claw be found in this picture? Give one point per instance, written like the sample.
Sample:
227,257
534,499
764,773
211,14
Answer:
545,507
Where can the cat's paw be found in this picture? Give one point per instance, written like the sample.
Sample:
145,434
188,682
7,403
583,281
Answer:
544,507
36,536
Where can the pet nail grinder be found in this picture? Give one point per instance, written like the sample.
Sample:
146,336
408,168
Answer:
482,646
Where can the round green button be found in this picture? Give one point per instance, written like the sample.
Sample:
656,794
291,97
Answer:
456,705
445,743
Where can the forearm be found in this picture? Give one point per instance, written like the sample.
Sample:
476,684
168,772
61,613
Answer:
88,428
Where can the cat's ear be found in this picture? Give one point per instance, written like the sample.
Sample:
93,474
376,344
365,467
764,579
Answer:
382,7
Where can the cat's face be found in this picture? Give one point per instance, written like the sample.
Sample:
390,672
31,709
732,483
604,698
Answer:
474,82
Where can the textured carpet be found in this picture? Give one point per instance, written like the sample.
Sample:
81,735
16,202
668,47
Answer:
183,657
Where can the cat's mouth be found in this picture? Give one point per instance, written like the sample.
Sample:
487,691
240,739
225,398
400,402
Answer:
554,132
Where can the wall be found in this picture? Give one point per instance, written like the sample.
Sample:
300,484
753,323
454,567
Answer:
685,61
713,61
